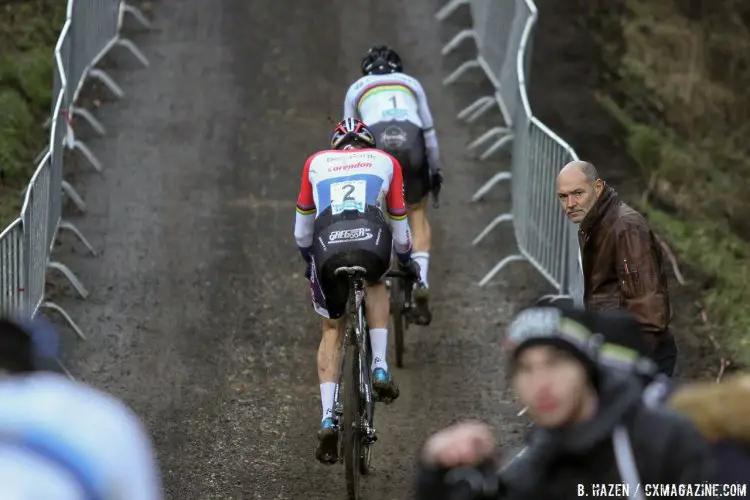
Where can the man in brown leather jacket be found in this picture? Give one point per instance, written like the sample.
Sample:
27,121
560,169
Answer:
622,262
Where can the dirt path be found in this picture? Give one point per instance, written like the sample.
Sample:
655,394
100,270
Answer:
199,315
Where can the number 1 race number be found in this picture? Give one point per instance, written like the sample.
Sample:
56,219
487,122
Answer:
348,195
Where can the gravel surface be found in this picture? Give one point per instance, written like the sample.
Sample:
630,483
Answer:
199,316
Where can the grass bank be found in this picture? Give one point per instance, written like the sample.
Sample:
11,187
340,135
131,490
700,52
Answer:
681,90
28,34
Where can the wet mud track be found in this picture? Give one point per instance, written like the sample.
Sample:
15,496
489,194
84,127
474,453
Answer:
199,315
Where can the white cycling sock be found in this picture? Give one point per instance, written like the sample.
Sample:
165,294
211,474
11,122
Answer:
379,346
423,259
327,390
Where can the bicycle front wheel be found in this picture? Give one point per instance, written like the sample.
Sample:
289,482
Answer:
352,428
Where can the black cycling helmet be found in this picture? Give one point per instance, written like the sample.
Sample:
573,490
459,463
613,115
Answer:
381,60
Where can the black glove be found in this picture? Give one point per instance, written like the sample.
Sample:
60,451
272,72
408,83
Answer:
410,267
436,183
308,271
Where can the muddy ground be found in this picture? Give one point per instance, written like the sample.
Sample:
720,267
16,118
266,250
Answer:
567,73
199,316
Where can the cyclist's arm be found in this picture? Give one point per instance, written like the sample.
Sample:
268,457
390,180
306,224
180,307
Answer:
397,214
428,128
350,108
305,220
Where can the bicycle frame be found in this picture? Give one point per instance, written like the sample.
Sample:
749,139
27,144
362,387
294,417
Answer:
358,334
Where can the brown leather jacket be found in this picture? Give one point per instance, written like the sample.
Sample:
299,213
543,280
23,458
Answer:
623,266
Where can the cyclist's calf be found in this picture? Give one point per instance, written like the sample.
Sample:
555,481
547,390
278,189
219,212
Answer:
420,226
377,306
328,351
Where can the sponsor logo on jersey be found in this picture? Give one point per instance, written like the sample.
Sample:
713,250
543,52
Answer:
322,244
349,235
395,114
393,137
350,166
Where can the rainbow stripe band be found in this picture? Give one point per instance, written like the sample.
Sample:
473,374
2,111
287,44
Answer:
379,87
397,216
305,211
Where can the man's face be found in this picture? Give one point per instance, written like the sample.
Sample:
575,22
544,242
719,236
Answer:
577,194
552,384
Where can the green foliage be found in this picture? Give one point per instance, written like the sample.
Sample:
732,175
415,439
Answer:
685,118
28,34
718,254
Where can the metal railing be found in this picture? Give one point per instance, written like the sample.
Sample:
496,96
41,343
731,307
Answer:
91,29
502,31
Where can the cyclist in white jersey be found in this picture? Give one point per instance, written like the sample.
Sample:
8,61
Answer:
340,222
61,439
394,107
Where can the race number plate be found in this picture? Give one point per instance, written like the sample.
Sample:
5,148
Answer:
348,195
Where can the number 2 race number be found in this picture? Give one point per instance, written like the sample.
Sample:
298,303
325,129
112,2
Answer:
348,195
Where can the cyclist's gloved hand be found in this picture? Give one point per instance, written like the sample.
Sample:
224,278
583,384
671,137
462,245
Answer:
436,183
308,271
437,180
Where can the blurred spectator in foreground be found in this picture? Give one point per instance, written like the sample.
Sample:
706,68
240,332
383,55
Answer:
722,414
61,439
590,425
622,261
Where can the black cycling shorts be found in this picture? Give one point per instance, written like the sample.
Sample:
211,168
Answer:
348,239
405,141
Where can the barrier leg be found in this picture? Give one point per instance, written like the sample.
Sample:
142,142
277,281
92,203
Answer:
496,147
471,108
482,110
448,9
457,40
124,42
493,132
137,15
85,151
500,266
86,115
551,299
487,230
68,226
71,277
108,82
460,71
65,370
74,196
51,305
498,177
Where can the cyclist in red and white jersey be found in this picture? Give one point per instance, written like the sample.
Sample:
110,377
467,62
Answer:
341,222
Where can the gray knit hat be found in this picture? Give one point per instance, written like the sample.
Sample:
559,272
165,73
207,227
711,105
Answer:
566,329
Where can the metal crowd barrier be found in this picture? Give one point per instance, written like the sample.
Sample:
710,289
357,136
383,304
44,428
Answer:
502,31
91,29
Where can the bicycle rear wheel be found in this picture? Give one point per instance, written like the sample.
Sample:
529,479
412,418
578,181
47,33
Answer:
352,420
397,307
366,447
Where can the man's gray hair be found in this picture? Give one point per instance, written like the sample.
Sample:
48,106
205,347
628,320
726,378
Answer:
589,170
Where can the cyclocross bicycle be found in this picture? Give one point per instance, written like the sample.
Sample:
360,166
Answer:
354,416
